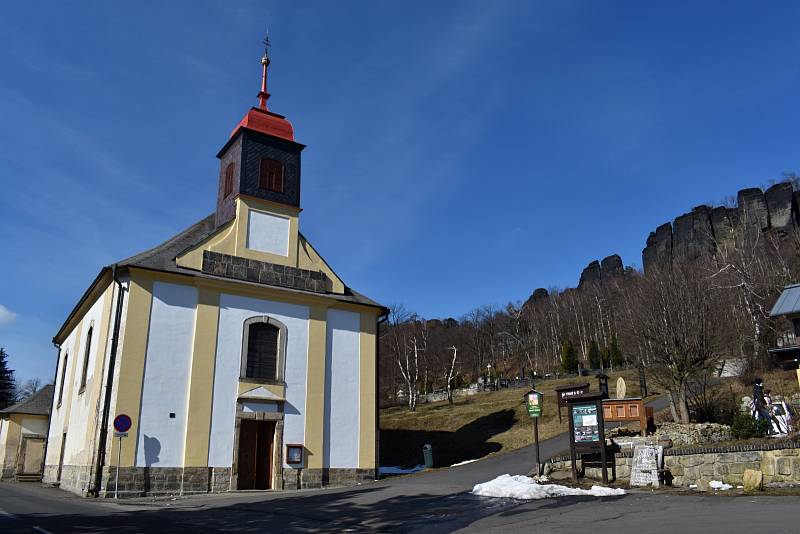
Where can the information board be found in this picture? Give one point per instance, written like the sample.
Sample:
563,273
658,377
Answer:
534,403
584,423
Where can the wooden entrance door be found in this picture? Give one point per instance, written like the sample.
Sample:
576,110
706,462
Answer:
31,456
255,454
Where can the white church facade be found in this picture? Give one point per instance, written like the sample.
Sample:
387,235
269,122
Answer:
241,358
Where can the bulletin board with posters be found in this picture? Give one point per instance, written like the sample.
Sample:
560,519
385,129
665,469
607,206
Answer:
586,430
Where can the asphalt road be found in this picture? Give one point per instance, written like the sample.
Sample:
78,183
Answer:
433,502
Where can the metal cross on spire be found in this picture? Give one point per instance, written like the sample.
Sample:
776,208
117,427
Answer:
266,44
264,95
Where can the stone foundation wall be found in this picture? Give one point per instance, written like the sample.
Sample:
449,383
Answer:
780,463
74,478
142,481
220,479
318,478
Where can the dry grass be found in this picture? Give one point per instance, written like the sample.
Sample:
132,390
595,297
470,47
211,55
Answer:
477,426
780,382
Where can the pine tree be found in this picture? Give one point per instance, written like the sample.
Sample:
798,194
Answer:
615,353
6,381
595,358
569,361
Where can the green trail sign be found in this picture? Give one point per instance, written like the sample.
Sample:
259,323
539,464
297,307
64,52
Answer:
534,403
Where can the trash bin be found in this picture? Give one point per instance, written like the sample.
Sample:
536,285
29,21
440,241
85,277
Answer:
427,453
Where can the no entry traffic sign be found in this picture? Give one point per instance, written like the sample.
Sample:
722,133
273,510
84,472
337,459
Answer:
122,423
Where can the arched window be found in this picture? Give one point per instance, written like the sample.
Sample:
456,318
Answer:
228,185
271,175
85,369
262,349
63,378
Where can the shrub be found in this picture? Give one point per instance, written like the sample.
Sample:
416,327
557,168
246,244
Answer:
744,426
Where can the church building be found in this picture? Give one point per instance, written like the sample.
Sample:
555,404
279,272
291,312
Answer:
240,358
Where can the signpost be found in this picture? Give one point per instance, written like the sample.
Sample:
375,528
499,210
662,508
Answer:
122,423
586,430
533,402
566,392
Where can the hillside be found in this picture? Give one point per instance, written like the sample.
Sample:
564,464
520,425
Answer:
480,425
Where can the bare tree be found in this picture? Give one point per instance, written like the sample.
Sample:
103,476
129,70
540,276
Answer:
28,388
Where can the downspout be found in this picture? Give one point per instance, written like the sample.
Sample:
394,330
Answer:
101,456
382,318
50,415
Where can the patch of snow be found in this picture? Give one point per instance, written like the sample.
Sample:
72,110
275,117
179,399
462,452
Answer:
525,488
465,462
692,486
394,470
739,487
719,485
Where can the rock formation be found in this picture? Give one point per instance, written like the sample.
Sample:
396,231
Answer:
700,232
598,271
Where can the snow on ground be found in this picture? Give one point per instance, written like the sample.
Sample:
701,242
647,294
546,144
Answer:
394,470
719,485
522,487
465,462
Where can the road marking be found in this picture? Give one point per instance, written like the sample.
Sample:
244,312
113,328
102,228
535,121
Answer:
43,531
7,514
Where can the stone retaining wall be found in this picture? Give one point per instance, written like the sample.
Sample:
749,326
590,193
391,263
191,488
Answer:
780,463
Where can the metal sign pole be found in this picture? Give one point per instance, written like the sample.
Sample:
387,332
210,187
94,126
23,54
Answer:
572,444
602,436
116,478
536,442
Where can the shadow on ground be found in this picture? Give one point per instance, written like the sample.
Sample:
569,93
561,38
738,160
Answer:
354,511
471,441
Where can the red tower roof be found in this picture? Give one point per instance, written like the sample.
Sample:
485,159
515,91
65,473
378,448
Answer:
261,119
266,122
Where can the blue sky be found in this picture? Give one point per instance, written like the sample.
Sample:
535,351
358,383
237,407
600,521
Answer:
459,153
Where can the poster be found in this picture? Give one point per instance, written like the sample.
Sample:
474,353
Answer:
584,422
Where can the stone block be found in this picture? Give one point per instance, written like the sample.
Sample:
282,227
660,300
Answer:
753,456
783,466
753,480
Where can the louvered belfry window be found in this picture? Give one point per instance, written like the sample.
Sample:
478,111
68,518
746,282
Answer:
271,175
228,180
262,351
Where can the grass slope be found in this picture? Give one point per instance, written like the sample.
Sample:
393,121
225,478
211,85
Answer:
478,425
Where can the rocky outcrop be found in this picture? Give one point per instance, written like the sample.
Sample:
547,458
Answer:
590,274
539,294
611,266
704,230
659,246
692,235
598,271
753,210
779,205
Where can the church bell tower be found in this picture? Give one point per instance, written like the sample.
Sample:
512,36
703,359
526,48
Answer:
261,158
